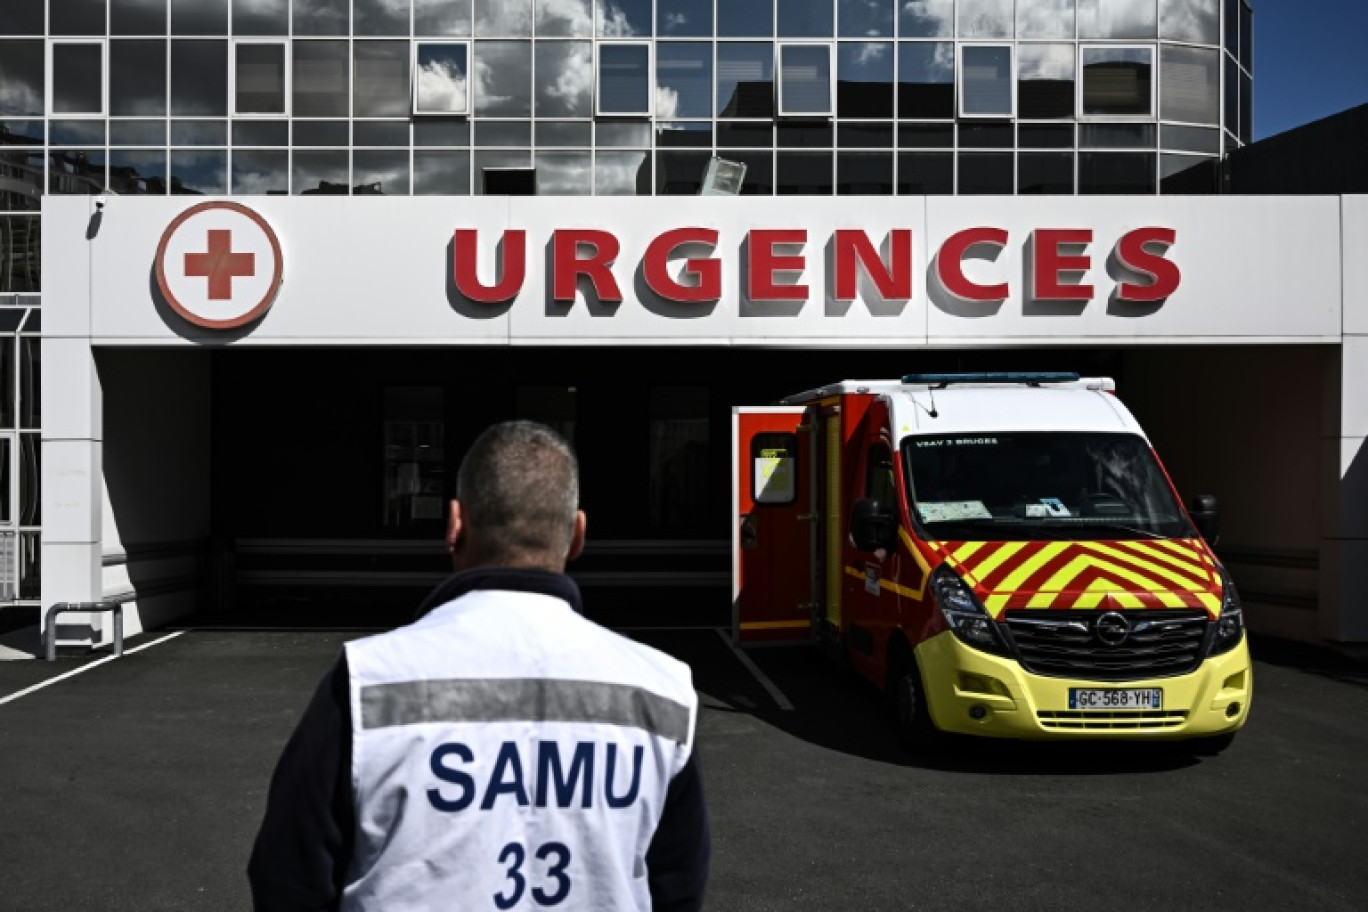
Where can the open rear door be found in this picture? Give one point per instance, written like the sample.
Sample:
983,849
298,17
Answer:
773,533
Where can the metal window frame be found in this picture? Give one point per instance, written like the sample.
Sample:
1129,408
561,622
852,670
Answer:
961,86
649,45
49,71
288,68
779,48
1081,76
469,74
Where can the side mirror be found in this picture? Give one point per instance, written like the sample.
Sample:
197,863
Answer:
873,525
1206,517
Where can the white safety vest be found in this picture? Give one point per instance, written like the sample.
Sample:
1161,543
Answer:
509,754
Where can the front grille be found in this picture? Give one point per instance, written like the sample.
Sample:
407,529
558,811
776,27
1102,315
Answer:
1065,644
1072,720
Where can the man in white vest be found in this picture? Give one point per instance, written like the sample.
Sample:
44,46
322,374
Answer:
501,752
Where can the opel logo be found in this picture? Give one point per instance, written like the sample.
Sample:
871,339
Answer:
1112,628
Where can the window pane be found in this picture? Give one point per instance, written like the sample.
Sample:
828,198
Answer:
565,173
745,20
261,133
1116,172
1116,81
260,172
1231,107
803,134
1110,19
805,19
683,79
504,173
926,79
76,171
320,173
1045,19
678,456
140,172
441,18
624,78
805,79
1045,136
624,18
1246,38
985,135
380,78
380,133
136,17
199,17
24,17
441,133
380,172
1116,135
684,18
986,79
1045,172
441,86
864,173
623,134
30,387
21,75
260,83
759,179
441,173
30,499
1246,108
320,133
680,173
864,79
199,78
516,133
567,133
926,18
77,77
622,174
137,78
503,78
197,171
199,133
415,456
865,18
926,136
985,173
745,80
1045,80
865,136
503,18
320,79
1190,20
1189,174
565,19
926,173
380,17
749,135
21,254
77,17
804,174
76,132
321,17
137,133
1190,139
1191,78
261,17
985,18
565,79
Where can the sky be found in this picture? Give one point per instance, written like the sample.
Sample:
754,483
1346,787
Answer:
1309,61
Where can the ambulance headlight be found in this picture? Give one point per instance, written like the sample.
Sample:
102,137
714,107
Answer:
1230,624
963,612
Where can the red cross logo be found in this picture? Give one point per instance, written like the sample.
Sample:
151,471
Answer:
220,265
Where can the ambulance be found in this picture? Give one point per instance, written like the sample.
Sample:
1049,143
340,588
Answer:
1002,554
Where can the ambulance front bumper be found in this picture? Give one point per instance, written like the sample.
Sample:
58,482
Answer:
975,693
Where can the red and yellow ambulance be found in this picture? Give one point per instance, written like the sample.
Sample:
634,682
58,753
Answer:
1004,554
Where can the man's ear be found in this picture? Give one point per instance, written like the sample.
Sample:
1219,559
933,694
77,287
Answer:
455,528
577,537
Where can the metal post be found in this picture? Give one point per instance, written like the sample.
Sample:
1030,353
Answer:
50,627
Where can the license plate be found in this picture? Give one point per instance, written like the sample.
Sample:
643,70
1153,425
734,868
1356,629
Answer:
1116,698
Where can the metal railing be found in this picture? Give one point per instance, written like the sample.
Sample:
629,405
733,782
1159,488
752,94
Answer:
50,626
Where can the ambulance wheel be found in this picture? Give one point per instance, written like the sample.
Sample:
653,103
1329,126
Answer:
907,703
1211,746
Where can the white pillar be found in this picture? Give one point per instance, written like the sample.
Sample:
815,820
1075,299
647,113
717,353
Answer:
72,428
1344,542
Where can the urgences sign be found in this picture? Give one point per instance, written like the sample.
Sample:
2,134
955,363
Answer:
773,261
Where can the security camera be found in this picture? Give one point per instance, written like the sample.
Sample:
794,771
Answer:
99,204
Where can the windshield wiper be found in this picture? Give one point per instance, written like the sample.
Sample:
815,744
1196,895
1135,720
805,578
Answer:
1145,533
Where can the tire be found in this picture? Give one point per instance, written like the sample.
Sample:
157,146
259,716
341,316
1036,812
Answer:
906,698
1212,745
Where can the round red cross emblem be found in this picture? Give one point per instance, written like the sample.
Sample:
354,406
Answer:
219,265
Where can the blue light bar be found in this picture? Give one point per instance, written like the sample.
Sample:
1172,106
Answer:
1031,378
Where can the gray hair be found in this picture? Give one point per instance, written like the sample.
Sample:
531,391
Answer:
519,491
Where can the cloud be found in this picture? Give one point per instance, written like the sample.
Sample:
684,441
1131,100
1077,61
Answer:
675,20
871,51
503,78
1045,19
565,79
504,17
666,102
1190,20
564,174
615,173
19,98
442,87
985,18
928,18
1045,61
1105,19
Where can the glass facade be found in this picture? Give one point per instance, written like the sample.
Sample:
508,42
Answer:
596,97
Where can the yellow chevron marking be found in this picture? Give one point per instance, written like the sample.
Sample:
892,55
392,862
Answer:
899,588
1158,570
1167,598
1009,586
916,556
1186,560
1042,600
1064,575
1210,601
1096,592
1190,551
1004,553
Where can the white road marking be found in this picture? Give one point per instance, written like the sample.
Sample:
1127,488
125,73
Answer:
765,682
62,677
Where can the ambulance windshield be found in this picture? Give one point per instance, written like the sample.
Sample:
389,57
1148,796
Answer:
1040,485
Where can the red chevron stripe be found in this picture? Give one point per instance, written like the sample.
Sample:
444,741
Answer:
1169,561
1042,576
1007,567
1149,576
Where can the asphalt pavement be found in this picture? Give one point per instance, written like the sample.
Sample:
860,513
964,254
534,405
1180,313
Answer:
138,784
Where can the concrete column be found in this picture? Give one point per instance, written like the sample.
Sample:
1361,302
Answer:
72,430
1344,542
